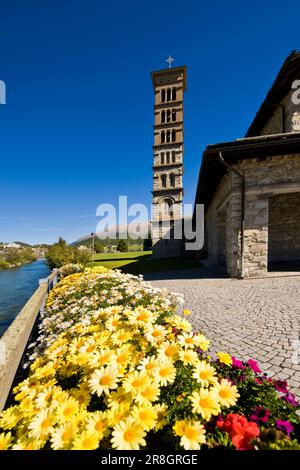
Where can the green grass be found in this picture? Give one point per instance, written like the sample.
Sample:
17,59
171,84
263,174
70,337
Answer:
139,262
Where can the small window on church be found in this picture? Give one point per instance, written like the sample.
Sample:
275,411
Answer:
162,158
163,96
168,157
173,115
163,137
163,181
172,180
163,116
173,157
174,94
169,94
168,115
173,135
169,136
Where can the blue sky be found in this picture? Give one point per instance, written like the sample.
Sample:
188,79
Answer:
77,127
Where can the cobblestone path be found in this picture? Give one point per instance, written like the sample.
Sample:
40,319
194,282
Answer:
257,318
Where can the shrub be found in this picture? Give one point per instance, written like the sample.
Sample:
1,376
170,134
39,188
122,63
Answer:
4,264
114,366
122,246
61,254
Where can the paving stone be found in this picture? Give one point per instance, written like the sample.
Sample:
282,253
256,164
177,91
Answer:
252,318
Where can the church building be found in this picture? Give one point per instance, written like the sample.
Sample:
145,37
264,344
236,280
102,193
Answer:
250,187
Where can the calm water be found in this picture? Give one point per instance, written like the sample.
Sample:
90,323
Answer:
16,286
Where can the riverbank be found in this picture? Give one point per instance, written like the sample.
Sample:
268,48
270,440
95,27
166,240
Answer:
16,287
5,265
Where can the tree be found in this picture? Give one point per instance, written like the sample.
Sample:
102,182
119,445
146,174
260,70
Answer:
122,246
99,246
60,254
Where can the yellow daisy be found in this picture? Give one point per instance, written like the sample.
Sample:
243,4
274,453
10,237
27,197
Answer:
141,317
135,382
86,441
155,334
105,357
27,444
168,350
113,322
145,415
97,422
188,357
63,436
5,441
192,434
116,399
121,336
202,342
103,380
227,393
128,435
186,312
149,364
165,373
225,358
67,409
162,411
205,374
149,394
42,424
206,403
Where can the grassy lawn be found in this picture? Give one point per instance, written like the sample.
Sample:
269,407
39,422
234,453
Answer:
139,262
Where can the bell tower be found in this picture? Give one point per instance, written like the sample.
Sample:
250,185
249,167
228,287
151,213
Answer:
167,195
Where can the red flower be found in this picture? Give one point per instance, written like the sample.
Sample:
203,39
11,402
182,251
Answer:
240,430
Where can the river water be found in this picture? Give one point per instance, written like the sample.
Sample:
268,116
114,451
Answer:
16,286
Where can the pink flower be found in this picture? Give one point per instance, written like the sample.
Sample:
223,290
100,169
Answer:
237,363
260,415
254,366
281,386
284,426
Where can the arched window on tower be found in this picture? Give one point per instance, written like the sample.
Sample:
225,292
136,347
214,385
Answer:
174,94
163,116
164,181
173,156
168,115
162,158
168,157
172,180
173,135
169,136
163,137
169,94
168,207
174,115
163,95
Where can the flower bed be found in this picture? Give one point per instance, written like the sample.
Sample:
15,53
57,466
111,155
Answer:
115,367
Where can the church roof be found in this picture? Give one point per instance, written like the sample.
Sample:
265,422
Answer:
289,72
253,145
260,147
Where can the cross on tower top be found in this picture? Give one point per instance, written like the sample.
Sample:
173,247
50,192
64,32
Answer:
170,60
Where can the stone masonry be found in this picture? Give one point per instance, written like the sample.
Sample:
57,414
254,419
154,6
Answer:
169,85
272,210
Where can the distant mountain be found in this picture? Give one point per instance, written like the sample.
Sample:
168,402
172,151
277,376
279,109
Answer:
121,232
